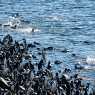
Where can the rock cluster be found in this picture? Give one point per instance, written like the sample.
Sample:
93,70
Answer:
19,76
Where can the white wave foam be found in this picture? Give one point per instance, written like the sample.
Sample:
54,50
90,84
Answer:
90,60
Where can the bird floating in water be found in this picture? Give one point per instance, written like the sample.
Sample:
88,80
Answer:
18,24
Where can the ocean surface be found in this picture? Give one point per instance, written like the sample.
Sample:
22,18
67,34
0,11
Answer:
63,24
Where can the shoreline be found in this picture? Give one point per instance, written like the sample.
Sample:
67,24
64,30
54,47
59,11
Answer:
20,76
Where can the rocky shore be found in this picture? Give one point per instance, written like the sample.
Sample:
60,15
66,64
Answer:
20,76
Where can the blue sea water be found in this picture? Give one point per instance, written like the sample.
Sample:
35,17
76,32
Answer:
63,24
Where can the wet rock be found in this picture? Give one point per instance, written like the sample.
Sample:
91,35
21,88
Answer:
88,42
7,39
22,77
49,48
33,56
65,50
76,76
38,48
67,70
39,53
22,88
78,66
4,84
57,62
28,56
36,43
49,65
40,64
31,46
73,55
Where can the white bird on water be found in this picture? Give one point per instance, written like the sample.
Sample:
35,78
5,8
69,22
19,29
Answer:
17,23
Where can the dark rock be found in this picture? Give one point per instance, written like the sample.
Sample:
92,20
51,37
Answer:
86,42
49,48
36,43
3,83
65,50
7,39
73,54
40,64
57,62
27,56
78,66
49,65
39,53
31,46
38,48
33,56
19,76
67,70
